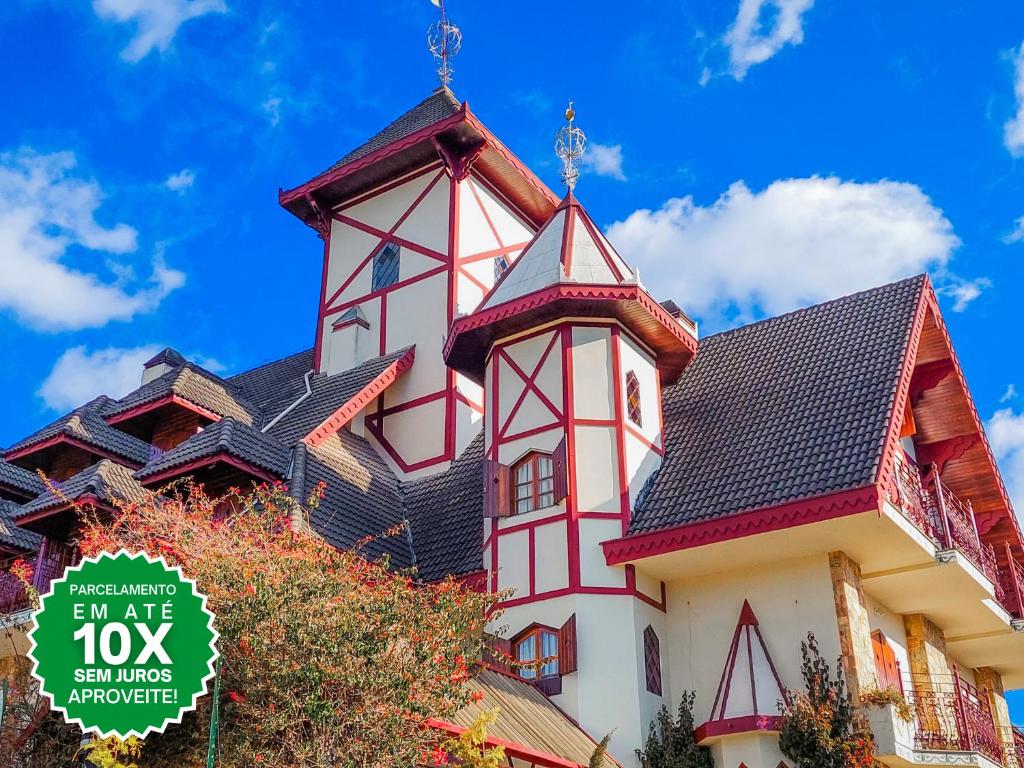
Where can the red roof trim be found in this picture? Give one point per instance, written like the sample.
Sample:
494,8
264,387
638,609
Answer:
512,749
287,196
62,505
62,439
734,725
764,520
152,405
221,457
360,400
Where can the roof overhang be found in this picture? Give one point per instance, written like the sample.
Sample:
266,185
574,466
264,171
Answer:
471,336
459,135
512,749
171,400
209,464
58,440
60,507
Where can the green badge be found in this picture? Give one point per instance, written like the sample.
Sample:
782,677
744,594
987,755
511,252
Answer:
123,645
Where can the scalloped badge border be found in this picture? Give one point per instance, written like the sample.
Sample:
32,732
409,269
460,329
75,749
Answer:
167,721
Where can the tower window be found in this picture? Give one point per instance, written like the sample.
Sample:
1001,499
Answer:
500,266
533,479
652,660
534,646
385,266
633,398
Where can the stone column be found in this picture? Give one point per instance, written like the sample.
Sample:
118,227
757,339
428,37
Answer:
854,627
931,676
990,680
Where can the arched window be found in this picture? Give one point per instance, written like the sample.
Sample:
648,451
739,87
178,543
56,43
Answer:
652,660
533,646
385,266
633,398
533,484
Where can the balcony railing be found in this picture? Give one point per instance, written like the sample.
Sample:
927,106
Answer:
1013,747
949,522
951,715
47,565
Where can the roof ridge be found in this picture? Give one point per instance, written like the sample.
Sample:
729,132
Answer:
920,277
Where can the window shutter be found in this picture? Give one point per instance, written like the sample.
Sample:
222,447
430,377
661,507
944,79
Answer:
498,653
560,471
652,660
497,502
567,647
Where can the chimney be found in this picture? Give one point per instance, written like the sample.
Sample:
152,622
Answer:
166,360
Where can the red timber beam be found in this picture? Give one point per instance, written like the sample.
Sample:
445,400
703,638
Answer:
941,452
928,376
512,749
360,400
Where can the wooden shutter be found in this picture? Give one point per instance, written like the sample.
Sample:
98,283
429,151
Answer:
567,647
560,471
886,667
497,501
498,653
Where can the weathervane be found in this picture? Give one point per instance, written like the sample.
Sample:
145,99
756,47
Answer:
444,40
570,144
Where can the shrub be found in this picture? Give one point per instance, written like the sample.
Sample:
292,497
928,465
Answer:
671,744
875,697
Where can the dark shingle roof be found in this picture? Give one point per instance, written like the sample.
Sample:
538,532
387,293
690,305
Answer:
192,383
446,513
86,425
20,479
279,381
168,356
787,408
362,495
436,107
10,534
106,480
226,436
329,393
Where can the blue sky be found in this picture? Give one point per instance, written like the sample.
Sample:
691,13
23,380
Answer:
751,156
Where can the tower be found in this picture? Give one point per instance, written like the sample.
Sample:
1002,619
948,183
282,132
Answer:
572,353
417,223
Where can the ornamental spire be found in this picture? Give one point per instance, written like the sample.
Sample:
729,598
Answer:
570,144
444,40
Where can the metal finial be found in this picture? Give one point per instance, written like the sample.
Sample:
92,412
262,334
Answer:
570,144
444,40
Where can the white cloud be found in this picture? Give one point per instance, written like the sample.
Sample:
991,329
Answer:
795,243
272,109
604,160
180,181
751,43
1010,394
1005,432
80,375
1016,234
1013,131
963,292
156,21
44,211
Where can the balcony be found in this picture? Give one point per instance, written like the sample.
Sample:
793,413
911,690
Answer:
949,523
952,725
49,564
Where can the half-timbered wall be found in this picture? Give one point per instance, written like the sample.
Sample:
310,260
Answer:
568,381
451,234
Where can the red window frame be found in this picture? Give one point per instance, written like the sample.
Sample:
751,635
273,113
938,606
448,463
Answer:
541,469
633,398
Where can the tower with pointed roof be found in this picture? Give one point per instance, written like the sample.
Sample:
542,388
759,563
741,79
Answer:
572,353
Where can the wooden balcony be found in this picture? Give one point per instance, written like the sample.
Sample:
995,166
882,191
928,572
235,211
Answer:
49,564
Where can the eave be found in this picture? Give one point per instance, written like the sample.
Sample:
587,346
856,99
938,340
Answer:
461,133
62,439
207,462
472,336
512,749
172,399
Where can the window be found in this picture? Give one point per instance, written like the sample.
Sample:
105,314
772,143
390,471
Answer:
385,266
652,660
533,480
534,646
633,398
500,265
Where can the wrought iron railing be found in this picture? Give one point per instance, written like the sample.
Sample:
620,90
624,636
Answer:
948,521
13,596
1011,578
951,715
1013,747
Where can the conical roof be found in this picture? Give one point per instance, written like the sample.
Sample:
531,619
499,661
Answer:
569,248
750,689
569,269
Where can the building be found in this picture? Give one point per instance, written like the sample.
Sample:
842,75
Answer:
668,513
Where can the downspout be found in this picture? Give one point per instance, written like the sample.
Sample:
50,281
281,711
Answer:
302,398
